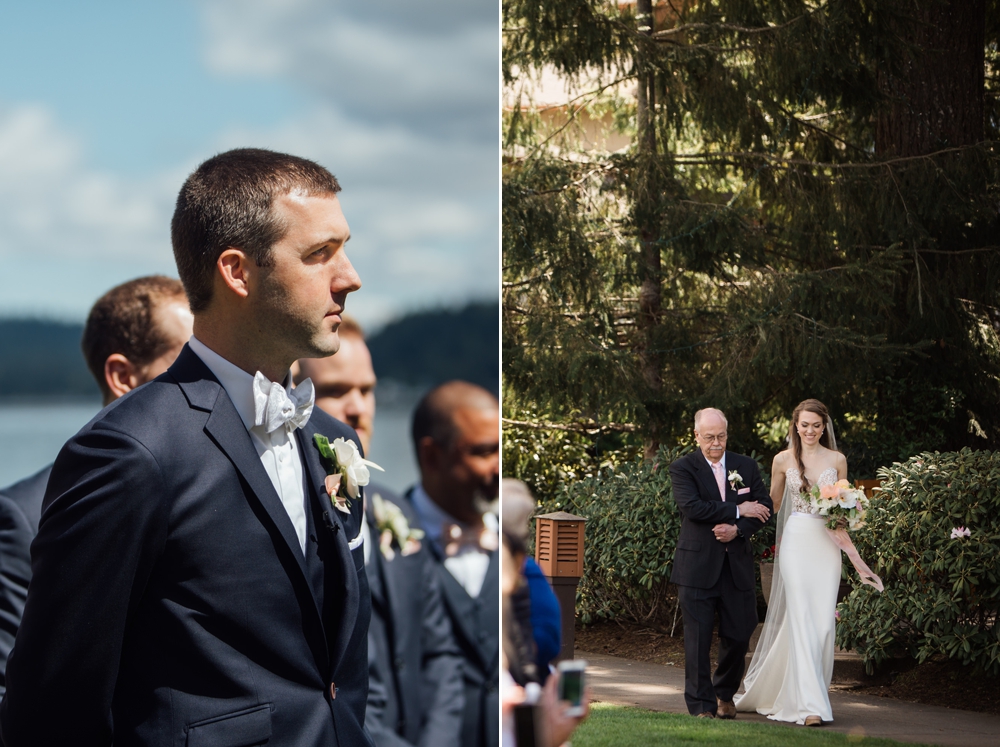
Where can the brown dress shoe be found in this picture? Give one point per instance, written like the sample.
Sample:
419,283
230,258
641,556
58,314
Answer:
814,721
727,709
705,714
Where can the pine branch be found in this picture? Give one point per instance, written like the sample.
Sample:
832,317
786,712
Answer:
590,427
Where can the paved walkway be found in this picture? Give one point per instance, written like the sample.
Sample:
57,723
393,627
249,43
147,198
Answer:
661,688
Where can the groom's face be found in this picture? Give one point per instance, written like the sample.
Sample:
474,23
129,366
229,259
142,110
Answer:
301,296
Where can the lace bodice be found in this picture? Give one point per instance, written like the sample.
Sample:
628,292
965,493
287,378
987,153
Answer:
793,479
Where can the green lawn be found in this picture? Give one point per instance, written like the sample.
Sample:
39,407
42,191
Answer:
611,726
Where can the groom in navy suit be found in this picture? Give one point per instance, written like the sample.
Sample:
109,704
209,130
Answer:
722,501
193,582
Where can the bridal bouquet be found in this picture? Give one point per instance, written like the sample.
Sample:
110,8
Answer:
844,504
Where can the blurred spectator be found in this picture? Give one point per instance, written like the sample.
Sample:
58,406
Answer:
416,689
552,724
544,613
133,333
456,434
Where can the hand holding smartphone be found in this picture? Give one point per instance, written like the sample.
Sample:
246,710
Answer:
571,683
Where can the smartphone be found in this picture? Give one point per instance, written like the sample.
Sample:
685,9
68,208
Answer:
571,683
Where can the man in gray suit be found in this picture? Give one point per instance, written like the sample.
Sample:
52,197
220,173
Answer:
456,433
132,335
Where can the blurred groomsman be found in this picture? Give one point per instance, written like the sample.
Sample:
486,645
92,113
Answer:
416,694
456,433
133,333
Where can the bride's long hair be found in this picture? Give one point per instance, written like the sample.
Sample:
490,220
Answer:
817,408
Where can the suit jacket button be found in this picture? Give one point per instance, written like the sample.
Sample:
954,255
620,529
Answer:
399,663
333,690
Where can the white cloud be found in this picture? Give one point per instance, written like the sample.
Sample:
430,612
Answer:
432,64
53,204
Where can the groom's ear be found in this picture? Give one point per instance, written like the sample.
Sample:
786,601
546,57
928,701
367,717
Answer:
235,267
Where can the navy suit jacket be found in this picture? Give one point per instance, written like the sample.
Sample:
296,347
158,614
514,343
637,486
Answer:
699,556
476,625
415,655
20,507
170,602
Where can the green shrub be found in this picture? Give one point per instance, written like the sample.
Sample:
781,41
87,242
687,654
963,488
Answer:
630,538
941,594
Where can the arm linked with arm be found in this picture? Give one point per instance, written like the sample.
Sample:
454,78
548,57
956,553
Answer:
758,493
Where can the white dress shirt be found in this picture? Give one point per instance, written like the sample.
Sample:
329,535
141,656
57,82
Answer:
278,450
470,564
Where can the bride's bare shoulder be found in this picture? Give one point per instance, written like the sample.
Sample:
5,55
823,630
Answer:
782,461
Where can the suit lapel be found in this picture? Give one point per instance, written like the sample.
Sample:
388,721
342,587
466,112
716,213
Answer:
346,615
710,488
382,587
462,608
230,434
227,430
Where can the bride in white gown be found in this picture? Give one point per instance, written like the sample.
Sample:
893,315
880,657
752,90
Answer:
789,676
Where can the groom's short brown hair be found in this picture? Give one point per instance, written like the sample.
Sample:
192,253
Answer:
227,202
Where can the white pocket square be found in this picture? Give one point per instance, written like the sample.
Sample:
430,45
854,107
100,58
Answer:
355,543
741,491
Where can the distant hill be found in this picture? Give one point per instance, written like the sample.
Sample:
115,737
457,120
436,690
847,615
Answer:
43,358
431,347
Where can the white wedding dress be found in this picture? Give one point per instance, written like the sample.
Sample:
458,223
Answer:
789,676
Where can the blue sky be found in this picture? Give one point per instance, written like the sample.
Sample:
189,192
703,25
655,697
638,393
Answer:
105,107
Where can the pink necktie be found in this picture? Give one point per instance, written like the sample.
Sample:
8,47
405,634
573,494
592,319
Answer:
720,479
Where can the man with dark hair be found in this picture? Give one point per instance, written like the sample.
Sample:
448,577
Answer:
198,571
416,671
133,333
456,433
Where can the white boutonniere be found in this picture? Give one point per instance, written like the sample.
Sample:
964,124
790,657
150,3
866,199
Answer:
393,527
735,481
345,467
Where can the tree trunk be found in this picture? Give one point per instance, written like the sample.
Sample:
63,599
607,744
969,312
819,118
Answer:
935,89
649,292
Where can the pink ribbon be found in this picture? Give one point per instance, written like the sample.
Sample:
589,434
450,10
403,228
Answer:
842,540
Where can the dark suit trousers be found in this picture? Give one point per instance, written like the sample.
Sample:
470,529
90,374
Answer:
736,610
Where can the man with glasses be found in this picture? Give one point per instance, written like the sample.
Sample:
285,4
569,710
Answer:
722,501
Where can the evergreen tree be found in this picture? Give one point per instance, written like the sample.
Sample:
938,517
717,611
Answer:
809,208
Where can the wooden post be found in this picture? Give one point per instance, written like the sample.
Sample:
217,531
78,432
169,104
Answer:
559,553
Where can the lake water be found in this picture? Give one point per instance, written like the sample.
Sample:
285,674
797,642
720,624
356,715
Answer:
31,435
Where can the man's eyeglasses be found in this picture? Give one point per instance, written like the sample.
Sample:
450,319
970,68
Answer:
714,439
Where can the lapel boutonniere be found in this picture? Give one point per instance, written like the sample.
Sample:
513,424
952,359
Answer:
735,481
393,527
345,467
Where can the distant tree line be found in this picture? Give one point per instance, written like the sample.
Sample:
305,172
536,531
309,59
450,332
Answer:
42,358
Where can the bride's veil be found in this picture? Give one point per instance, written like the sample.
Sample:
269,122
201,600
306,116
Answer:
776,603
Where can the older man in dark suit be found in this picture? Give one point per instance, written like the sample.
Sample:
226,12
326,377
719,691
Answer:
198,574
417,695
722,501
132,335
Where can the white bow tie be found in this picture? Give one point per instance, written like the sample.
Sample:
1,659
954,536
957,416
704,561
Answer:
274,407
